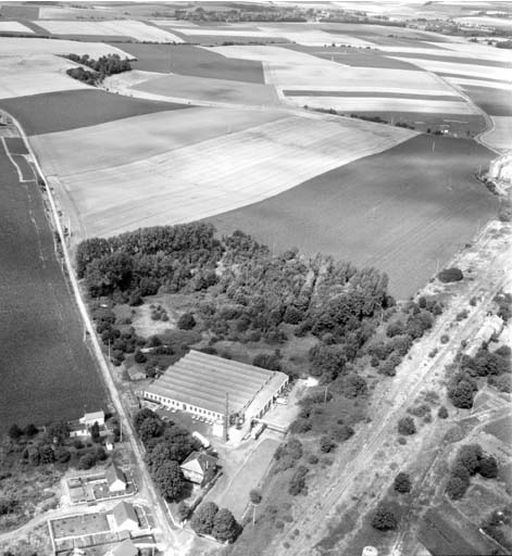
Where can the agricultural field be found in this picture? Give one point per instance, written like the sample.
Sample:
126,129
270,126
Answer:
275,152
14,27
137,30
71,109
500,136
48,372
405,211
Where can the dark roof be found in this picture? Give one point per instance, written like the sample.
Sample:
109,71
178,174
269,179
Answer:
113,473
124,511
204,380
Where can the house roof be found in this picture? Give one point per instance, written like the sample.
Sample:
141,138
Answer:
94,416
126,548
114,474
199,462
124,512
203,380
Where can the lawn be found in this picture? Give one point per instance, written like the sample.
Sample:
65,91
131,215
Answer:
79,525
405,211
194,61
48,370
64,110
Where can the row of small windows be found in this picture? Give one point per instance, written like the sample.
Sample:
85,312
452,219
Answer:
180,405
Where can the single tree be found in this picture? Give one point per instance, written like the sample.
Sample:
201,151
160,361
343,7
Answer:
469,456
384,518
186,321
255,497
203,519
406,426
95,432
31,430
442,413
87,461
456,487
327,444
225,527
15,432
402,483
169,479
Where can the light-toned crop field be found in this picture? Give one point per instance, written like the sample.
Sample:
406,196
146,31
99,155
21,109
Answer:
380,104
289,69
469,70
315,37
461,81
206,177
14,27
32,75
205,89
119,27
500,137
16,46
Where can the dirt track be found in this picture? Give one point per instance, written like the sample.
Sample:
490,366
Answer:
415,374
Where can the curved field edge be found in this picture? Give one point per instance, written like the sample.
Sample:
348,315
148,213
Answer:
405,211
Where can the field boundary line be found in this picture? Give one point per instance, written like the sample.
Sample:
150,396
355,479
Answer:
9,155
105,371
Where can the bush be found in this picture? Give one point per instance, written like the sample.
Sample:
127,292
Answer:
450,275
298,481
384,518
488,467
402,483
406,426
327,444
186,321
203,519
87,461
442,413
139,357
445,339
461,394
456,487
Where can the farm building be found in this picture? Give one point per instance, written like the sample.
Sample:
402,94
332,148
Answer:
125,517
116,479
200,384
90,418
199,468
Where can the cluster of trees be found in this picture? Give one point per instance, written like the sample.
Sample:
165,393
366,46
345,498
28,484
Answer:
140,263
55,446
469,461
463,384
167,446
208,519
101,68
504,302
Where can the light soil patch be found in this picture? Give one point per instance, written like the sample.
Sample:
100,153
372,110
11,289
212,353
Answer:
474,50
119,27
35,74
14,27
204,89
461,81
362,103
14,46
143,137
227,32
145,326
216,175
500,137
290,69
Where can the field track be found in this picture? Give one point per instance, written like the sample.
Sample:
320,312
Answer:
404,211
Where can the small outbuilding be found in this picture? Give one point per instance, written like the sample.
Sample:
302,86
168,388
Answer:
199,468
125,517
116,479
126,548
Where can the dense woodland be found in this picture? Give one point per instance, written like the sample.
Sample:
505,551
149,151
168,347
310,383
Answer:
101,68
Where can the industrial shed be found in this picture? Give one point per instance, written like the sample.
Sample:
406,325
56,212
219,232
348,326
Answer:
199,384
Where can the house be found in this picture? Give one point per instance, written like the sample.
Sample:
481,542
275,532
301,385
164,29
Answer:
77,430
125,517
90,418
199,468
126,548
116,479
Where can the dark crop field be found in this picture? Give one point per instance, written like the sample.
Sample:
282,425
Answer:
496,102
46,371
363,94
190,60
403,211
16,145
65,110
